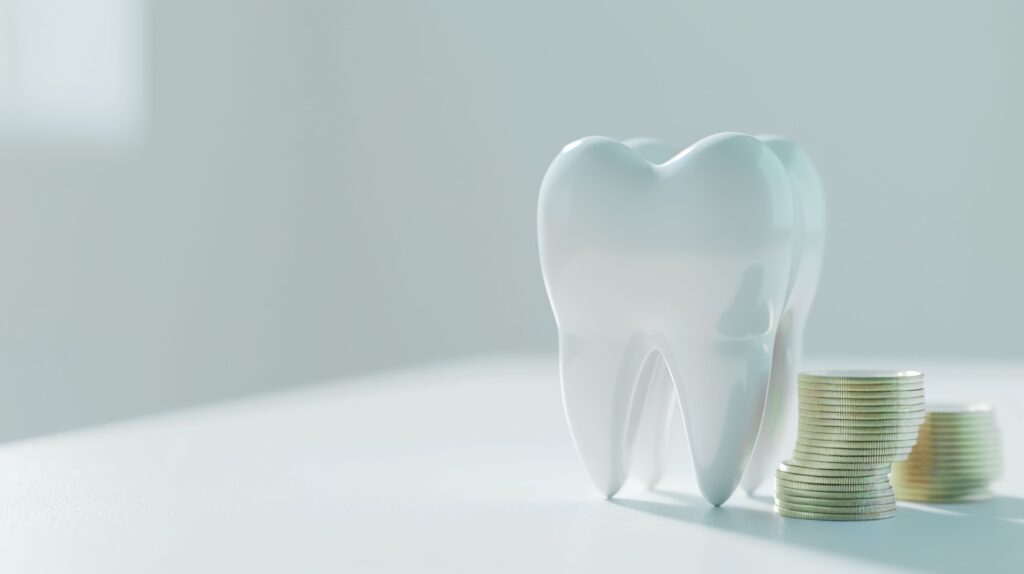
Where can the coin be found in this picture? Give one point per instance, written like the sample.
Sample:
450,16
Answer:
947,462
988,433
960,427
828,516
945,472
807,483
960,409
948,482
853,445
811,400
952,420
940,434
909,467
861,387
835,454
858,376
853,449
868,421
857,432
941,491
836,490
941,486
785,499
865,387
818,492
978,435
825,516
840,465
858,425
904,417
966,417
832,494
929,447
926,453
835,509
858,392
930,475
936,475
895,410
954,459
858,412
790,476
940,459
962,440
845,489
928,497
798,468
856,437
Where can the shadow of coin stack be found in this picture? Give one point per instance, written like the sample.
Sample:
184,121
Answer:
853,425
956,458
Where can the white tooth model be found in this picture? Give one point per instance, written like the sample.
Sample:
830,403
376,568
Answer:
677,271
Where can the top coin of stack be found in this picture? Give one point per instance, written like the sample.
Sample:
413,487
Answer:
957,457
853,425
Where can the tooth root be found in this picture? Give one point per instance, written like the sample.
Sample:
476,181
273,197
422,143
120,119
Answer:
722,419
780,406
599,388
653,436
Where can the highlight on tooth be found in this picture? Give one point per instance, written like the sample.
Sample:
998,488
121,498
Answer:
680,280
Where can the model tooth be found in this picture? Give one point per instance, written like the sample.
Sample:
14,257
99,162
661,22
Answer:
684,266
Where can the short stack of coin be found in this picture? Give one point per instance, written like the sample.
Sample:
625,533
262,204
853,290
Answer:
853,425
958,455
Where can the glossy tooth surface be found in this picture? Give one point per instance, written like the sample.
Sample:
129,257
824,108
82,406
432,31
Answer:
779,422
683,266
658,429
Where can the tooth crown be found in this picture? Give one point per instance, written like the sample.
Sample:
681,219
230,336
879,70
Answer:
615,230
682,266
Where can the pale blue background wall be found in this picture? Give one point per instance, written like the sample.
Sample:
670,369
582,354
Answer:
323,188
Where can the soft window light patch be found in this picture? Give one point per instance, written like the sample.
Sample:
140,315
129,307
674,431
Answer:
71,69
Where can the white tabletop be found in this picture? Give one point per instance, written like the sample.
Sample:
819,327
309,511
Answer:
466,467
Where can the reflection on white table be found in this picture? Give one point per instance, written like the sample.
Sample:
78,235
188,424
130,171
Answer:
466,467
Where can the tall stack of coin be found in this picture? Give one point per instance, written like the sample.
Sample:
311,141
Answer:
853,425
958,455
